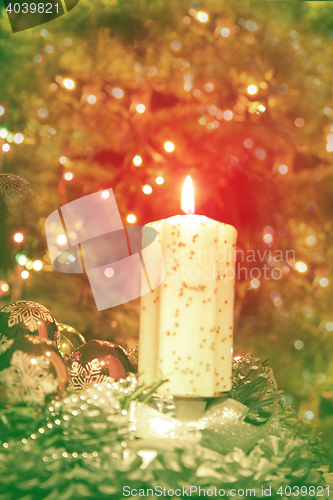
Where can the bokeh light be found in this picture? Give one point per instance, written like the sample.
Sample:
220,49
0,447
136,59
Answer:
68,83
225,32
105,195
147,189
63,159
202,17
299,122
117,93
228,115
62,239
248,143
37,265
5,287
159,180
324,282
255,283
169,146
268,238
131,218
109,272
2,110
18,237
25,274
283,169
311,240
137,160
329,326
68,176
301,267
18,138
141,108
298,344
92,99
5,148
22,260
252,89
42,112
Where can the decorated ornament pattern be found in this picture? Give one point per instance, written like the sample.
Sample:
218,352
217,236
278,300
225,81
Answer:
13,186
28,313
83,376
29,379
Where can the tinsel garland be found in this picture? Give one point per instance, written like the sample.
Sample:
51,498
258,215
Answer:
85,445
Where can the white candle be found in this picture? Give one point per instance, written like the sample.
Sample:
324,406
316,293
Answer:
186,323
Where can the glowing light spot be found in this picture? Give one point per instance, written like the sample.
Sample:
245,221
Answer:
109,272
3,133
18,237
311,240
5,287
68,83
2,110
169,146
141,108
137,160
329,326
299,122
209,87
255,283
5,148
33,361
37,58
252,89
92,99
283,169
131,218
307,311
202,17
225,32
176,45
118,93
286,400
301,267
71,258
37,265
53,87
187,20
105,195
42,112
62,239
268,238
248,143
251,26
159,180
327,111
44,33
261,108
25,275
49,49
18,138
309,415
63,159
324,282
68,176
228,115
147,189
236,358
260,154
278,302
22,260
202,120
320,378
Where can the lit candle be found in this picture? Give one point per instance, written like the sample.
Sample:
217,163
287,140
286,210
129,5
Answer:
186,323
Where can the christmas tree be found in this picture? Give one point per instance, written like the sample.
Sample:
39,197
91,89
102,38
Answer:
134,96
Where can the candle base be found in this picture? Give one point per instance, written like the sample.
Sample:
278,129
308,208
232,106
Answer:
190,408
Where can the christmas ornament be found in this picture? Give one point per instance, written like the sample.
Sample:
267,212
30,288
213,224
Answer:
25,318
70,339
32,371
98,361
13,187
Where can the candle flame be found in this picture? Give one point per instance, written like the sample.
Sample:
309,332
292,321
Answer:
188,196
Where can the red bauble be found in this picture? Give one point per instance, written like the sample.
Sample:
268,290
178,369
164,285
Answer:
98,361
